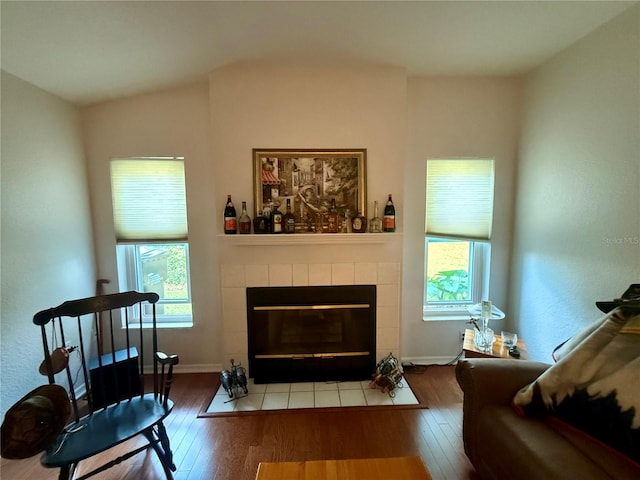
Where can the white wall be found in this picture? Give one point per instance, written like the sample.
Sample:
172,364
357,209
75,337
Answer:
168,123
577,237
268,106
47,244
453,118
250,106
262,106
401,122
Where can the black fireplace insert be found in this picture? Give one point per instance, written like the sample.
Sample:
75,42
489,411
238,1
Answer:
321,333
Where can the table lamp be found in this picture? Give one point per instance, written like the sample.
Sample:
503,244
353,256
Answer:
481,313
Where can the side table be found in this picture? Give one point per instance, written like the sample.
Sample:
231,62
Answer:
498,350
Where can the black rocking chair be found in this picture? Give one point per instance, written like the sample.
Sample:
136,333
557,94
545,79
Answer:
98,349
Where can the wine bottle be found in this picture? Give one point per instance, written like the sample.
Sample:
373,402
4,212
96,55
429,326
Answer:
375,226
276,220
389,216
244,222
230,221
289,219
332,218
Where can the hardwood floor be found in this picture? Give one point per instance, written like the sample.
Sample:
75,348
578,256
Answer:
230,448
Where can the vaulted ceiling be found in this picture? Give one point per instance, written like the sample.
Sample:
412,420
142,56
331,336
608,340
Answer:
91,51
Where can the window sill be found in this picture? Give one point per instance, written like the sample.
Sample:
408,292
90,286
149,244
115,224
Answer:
441,316
162,325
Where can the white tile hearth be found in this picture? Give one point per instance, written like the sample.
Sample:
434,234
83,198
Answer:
282,396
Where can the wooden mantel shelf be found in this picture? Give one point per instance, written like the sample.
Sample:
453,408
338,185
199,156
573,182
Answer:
309,239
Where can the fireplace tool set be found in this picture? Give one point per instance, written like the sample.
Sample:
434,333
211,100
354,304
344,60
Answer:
388,375
234,380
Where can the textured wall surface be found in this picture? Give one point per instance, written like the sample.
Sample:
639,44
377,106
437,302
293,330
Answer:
47,244
577,234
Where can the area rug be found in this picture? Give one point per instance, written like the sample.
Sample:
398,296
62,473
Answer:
281,398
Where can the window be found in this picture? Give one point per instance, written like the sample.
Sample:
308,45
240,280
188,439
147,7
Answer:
150,219
456,274
161,268
459,215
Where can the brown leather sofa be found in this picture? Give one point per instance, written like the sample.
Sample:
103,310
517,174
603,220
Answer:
503,445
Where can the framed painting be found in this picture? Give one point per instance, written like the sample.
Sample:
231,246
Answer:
310,180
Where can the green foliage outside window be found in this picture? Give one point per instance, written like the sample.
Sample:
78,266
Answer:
164,270
448,285
176,266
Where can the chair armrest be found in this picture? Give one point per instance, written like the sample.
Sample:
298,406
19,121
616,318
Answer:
162,385
495,380
487,381
165,359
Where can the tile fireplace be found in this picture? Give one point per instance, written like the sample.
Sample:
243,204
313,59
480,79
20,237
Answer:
240,272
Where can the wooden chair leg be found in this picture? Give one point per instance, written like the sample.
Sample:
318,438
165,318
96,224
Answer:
160,443
166,446
68,472
64,473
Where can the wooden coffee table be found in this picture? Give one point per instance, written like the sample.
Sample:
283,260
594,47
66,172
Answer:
396,468
498,351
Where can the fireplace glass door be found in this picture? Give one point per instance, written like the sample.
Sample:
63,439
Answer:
329,330
310,334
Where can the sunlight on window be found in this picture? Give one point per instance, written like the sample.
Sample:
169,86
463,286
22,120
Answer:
163,270
448,271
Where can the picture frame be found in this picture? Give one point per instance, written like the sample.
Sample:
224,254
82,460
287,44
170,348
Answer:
310,179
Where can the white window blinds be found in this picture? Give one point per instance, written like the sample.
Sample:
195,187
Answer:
149,199
459,201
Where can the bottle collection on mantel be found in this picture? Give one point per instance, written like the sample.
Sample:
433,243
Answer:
271,220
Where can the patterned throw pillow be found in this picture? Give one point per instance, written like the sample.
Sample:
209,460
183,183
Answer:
595,384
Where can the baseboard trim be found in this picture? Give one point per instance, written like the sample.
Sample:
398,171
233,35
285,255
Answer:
198,368
429,360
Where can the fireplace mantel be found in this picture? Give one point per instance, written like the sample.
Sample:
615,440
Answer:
310,239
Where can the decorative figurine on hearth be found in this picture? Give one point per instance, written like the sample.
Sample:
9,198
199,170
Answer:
234,380
388,375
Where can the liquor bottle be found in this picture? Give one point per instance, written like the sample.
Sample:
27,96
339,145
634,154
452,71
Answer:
359,223
244,222
332,218
230,222
288,219
260,224
267,208
308,222
276,220
318,227
375,226
347,226
389,216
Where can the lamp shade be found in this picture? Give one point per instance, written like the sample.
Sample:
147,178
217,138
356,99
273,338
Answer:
476,311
